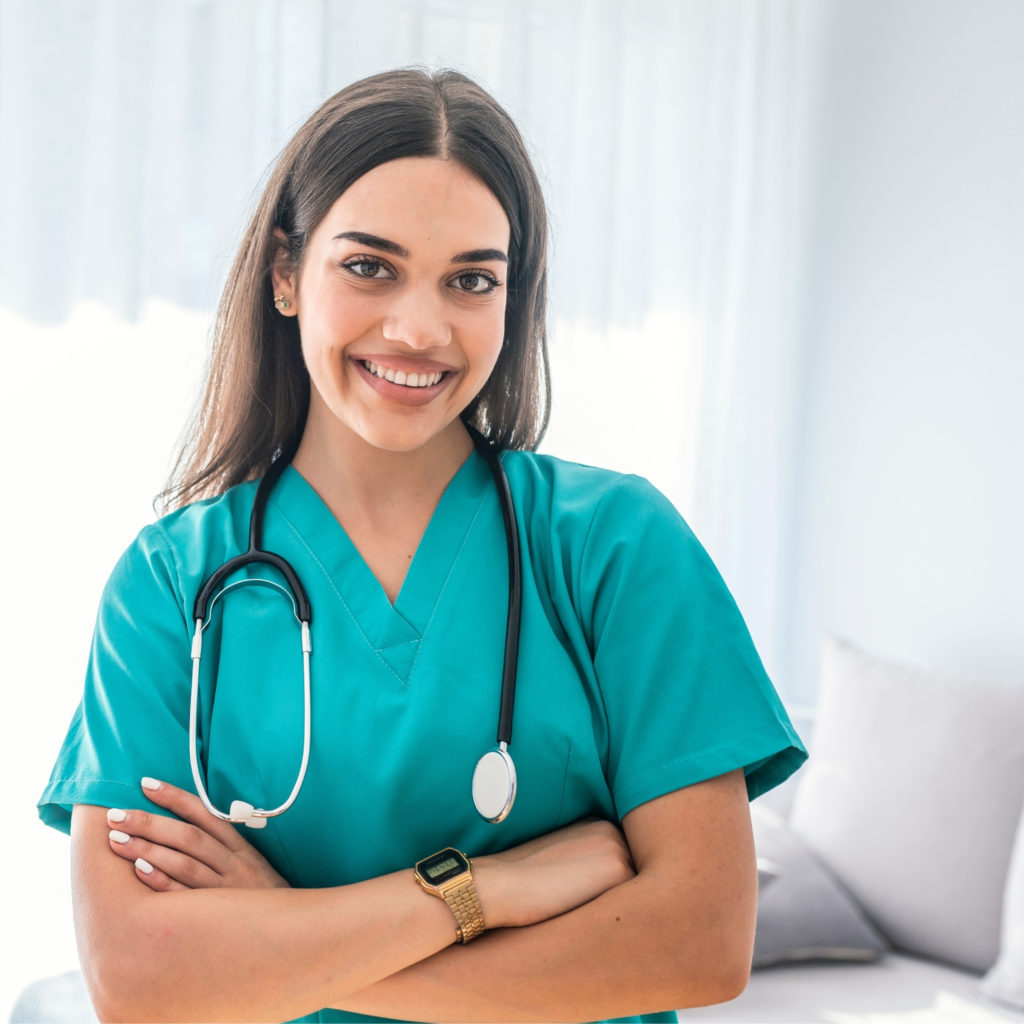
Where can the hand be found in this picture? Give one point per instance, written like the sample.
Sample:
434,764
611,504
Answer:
197,852
551,875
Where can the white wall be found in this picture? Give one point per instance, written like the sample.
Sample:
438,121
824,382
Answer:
73,499
910,490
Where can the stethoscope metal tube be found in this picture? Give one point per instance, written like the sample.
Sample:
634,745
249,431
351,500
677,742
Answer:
494,780
242,811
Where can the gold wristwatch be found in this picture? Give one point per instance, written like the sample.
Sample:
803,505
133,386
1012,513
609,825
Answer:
448,874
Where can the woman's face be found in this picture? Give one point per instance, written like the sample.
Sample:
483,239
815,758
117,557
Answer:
401,303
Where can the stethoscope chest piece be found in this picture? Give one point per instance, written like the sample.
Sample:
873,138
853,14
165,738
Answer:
494,784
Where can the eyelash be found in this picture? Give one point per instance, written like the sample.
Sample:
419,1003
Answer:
364,261
379,264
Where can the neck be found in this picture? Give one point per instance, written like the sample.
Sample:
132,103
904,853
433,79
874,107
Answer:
356,477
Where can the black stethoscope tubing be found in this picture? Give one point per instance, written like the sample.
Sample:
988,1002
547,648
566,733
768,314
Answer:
255,554
515,588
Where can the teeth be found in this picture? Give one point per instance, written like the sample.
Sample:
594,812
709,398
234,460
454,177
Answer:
409,380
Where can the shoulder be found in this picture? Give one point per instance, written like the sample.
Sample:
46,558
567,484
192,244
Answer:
576,491
610,534
596,506
210,520
180,546
599,533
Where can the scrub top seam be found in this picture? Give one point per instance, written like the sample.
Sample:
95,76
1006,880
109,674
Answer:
699,756
446,581
378,652
588,626
178,583
337,593
63,779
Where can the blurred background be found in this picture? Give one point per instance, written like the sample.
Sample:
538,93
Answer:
788,246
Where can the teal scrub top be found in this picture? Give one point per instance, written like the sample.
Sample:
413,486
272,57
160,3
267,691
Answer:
637,675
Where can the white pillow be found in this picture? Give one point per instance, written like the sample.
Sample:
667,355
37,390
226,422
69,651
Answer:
1005,981
911,797
802,911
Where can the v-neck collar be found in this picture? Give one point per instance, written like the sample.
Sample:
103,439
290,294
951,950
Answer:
393,630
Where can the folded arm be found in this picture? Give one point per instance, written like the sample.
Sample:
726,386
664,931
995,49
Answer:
213,935
679,933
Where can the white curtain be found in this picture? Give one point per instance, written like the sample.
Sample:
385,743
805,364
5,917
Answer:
134,134
133,137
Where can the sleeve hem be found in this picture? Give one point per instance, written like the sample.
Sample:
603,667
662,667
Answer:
61,795
765,764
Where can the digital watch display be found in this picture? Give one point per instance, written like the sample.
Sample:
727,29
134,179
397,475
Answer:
443,866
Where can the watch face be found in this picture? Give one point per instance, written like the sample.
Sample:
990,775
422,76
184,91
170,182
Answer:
443,866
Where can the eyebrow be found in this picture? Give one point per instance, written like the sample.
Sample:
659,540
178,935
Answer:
480,256
386,245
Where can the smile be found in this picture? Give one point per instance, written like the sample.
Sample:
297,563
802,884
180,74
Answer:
409,380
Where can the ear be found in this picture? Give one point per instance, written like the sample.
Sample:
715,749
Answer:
284,276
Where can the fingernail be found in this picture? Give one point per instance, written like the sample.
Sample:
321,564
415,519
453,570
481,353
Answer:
144,866
119,837
148,783
116,814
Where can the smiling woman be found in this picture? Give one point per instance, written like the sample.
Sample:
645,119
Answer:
399,280
380,363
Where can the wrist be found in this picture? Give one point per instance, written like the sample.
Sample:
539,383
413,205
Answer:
448,875
491,888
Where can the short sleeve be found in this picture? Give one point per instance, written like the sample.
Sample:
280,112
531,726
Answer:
133,716
685,693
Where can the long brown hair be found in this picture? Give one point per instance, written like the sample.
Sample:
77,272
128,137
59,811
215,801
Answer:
257,392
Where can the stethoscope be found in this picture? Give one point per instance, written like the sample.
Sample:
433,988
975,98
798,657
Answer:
494,779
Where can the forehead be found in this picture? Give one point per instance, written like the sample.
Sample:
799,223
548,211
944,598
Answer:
424,200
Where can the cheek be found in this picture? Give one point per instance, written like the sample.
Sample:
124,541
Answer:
488,339
332,323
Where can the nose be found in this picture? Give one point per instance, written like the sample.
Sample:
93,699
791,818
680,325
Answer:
417,318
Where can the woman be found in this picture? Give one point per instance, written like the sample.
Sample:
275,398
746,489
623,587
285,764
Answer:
388,300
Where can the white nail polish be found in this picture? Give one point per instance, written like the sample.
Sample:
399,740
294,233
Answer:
116,814
144,866
148,783
119,837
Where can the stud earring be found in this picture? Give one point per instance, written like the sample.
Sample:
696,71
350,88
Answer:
281,302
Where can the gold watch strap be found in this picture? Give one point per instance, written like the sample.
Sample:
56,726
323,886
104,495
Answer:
465,905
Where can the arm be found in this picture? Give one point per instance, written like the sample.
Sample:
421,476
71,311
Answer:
274,953
678,934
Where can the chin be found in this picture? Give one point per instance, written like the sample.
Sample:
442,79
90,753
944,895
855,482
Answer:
411,437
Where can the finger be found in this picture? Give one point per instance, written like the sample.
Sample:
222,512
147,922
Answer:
189,807
172,866
172,834
155,878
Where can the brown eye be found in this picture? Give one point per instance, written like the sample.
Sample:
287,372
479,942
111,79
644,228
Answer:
370,269
474,283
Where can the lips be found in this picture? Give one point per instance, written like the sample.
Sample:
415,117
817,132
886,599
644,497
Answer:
408,379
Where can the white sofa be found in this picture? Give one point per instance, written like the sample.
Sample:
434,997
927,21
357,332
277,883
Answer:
894,861
898,851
